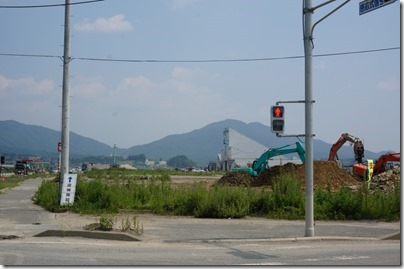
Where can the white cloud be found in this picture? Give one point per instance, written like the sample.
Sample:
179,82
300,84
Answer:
89,88
4,82
116,23
183,80
183,73
386,86
30,101
136,90
24,86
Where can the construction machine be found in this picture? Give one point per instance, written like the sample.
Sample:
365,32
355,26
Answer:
380,165
359,148
368,171
259,165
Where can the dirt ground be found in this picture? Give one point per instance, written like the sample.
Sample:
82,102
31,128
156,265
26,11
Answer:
325,172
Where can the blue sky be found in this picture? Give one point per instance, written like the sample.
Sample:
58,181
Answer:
129,104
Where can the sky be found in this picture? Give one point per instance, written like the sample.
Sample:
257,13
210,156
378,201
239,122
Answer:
119,96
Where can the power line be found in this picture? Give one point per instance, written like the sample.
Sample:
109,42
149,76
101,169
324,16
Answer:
29,55
230,60
199,61
53,5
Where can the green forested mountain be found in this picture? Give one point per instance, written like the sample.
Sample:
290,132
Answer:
21,138
200,145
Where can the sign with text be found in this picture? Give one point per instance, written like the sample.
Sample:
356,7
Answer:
68,189
370,5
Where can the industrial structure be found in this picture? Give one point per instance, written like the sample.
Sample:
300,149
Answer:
241,151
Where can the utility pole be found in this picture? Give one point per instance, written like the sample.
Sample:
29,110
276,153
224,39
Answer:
64,168
308,55
308,11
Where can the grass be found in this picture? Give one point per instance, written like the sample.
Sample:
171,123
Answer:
15,180
110,192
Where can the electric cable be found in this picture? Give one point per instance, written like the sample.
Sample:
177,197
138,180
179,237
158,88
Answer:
202,61
53,5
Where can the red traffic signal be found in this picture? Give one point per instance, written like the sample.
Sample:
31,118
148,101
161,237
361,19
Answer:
277,111
277,120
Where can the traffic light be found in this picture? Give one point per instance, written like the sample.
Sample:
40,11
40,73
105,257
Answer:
277,120
2,159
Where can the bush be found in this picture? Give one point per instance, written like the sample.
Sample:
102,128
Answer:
288,198
223,202
47,196
106,223
286,201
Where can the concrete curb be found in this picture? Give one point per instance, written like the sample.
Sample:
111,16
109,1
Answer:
89,234
129,237
393,236
292,239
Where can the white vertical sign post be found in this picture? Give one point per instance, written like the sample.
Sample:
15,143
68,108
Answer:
68,189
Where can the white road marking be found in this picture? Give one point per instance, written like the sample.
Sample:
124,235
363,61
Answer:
337,258
61,242
262,264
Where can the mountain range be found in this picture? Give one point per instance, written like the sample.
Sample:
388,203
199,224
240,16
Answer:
200,145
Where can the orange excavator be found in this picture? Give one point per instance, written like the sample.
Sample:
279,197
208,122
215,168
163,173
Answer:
359,148
365,172
379,167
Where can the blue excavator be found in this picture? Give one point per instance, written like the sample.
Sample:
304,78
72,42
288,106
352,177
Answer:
259,165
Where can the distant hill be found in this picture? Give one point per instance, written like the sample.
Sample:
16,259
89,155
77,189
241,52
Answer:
200,145
203,145
27,139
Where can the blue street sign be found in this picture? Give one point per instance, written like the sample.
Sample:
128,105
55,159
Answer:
370,5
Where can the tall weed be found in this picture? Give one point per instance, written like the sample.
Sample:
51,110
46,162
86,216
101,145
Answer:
286,200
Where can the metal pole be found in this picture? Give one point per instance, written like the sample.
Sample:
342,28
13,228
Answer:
308,53
64,168
114,154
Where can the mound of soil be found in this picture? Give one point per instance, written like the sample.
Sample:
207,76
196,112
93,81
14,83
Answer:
325,173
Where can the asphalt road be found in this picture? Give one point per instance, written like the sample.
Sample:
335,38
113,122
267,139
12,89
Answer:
187,240
82,251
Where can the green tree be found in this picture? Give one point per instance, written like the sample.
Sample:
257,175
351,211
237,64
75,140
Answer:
140,158
180,161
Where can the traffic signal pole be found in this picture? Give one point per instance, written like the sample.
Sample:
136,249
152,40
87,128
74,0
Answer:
308,55
308,11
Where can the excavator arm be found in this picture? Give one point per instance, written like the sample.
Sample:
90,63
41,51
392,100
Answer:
380,165
335,147
359,149
260,164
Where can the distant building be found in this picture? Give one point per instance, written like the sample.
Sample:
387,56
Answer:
241,151
149,162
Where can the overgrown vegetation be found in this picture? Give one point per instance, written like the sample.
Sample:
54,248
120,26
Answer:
126,174
110,191
15,180
107,222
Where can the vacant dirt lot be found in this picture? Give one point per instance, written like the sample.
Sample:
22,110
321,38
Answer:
325,172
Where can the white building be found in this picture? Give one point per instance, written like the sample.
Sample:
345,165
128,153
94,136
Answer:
240,151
